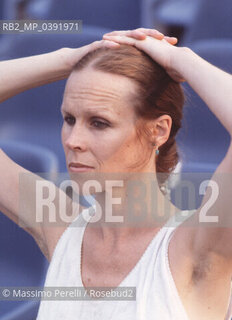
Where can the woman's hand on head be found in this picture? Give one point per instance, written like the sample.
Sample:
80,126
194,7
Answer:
141,33
159,47
72,56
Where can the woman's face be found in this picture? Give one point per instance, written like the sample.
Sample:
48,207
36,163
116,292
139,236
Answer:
99,123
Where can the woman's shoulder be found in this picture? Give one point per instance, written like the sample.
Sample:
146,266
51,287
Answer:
55,233
196,277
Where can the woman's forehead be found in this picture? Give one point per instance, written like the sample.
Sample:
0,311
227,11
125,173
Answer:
90,107
94,88
100,85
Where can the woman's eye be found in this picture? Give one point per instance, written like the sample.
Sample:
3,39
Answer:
70,120
96,123
100,124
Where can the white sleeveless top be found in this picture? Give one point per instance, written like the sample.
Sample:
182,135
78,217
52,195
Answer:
156,294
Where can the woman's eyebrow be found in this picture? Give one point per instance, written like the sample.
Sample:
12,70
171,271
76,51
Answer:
91,111
99,110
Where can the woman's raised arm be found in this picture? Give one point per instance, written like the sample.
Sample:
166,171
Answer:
21,74
21,200
213,85
18,199
212,240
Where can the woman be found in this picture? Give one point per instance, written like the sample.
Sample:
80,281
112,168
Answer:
120,108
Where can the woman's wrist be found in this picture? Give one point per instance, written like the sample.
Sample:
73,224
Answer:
58,62
181,62
65,54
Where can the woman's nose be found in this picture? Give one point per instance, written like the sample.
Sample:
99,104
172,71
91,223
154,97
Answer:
76,139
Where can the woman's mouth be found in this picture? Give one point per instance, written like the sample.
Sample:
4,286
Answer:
78,167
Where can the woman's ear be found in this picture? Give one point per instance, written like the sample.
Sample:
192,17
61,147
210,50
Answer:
161,129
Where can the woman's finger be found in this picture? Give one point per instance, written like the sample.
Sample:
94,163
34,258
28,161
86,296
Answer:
157,35
104,43
151,32
121,39
171,40
133,33
141,34
138,34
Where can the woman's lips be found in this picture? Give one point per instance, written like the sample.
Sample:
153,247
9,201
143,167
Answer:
79,169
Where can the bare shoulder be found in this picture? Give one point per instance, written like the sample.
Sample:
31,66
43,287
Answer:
200,251
53,233
196,274
21,202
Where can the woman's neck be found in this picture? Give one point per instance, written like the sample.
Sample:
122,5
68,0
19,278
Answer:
133,208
